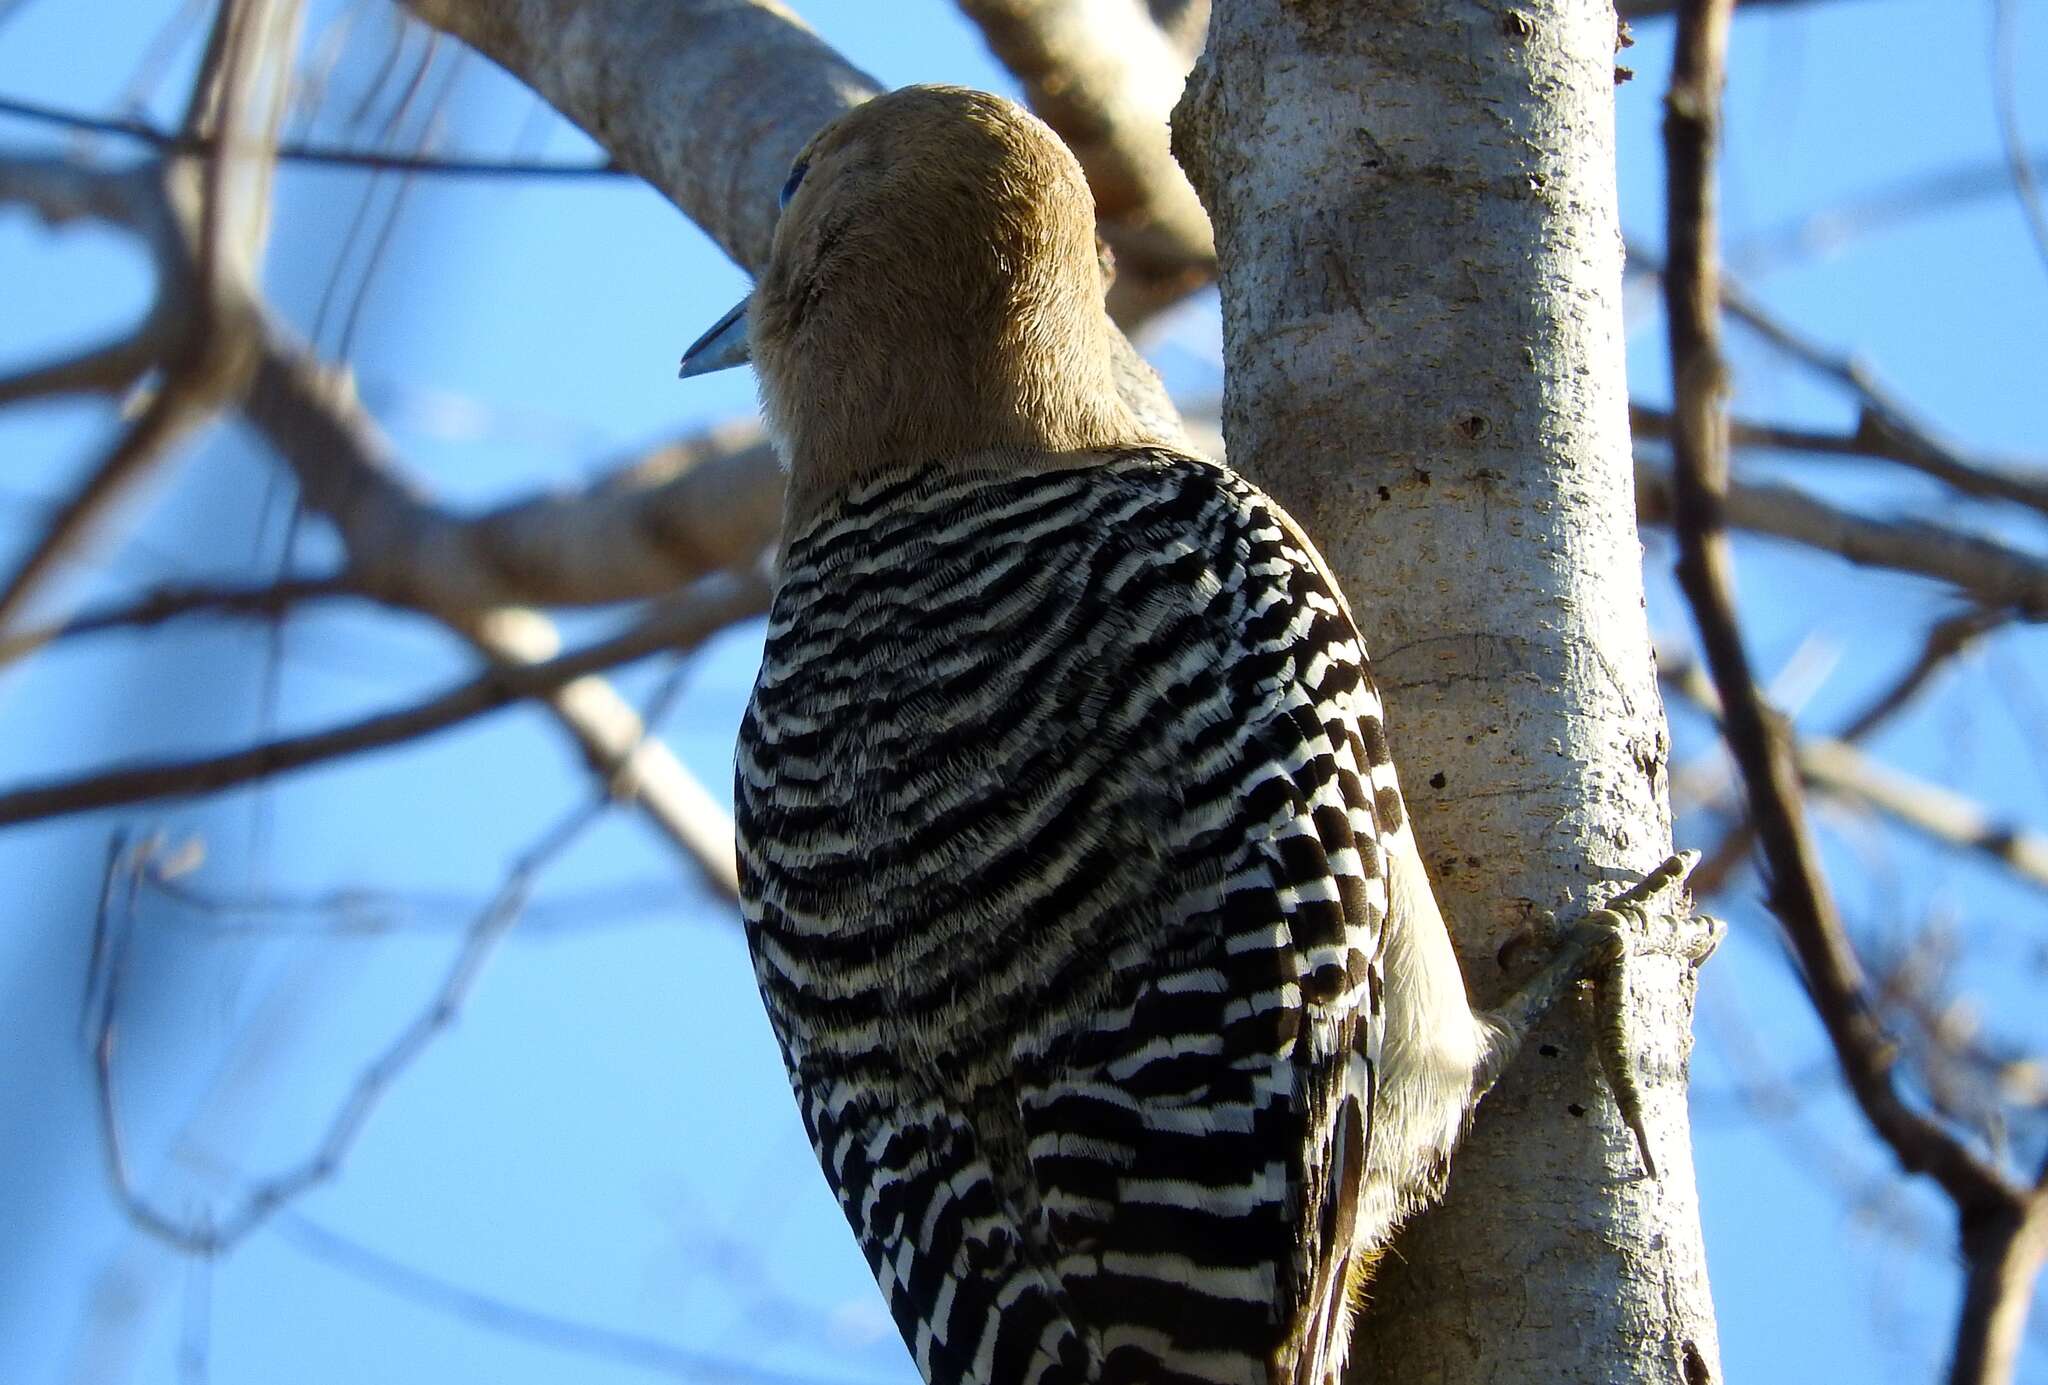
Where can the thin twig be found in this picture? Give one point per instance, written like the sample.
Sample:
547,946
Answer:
315,154
108,368
1947,640
707,608
1878,208
172,602
1759,741
206,362
1883,420
352,913
211,1235
1987,572
495,1314
170,413
2005,80
2021,482
1836,767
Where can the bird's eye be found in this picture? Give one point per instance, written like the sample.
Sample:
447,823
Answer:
796,176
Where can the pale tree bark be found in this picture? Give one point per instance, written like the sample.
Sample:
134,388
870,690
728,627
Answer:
1421,265
1415,214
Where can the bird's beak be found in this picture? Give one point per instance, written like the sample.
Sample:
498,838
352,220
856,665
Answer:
721,348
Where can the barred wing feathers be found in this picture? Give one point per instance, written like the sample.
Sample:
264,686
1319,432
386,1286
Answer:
1062,805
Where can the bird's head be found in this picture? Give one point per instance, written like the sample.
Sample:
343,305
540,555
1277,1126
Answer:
934,293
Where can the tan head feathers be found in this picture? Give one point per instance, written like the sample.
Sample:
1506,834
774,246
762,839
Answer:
934,293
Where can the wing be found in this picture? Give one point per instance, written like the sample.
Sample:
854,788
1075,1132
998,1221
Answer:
1199,1146
1064,888
941,1239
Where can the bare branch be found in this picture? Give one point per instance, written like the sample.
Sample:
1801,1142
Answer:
1940,814
1836,767
634,766
1883,421
211,1235
108,368
1945,641
681,623
2004,1256
303,152
494,1314
1760,741
1985,570
2023,483
694,507
708,100
214,223
2005,91
1916,195
172,412
689,510
1105,76
169,603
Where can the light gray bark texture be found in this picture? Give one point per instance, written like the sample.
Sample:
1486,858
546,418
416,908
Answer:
708,100
1414,204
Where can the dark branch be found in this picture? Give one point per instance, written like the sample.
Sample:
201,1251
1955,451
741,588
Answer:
707,608
213,1234
416,1286
170,603
303,152
1758,739
2024,484
1884,421
1983,570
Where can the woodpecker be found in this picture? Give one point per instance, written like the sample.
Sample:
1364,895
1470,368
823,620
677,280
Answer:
1075,868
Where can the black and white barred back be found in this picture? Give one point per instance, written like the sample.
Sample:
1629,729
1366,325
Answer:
1063,803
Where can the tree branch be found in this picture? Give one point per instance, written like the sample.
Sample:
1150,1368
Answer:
206,228
1986,571
1105,76
2023,484
494,1314
1837,767
1883,421
708,100
2004,1256
301,152
693,507
1947,639
681,623
169,603
212,1235
1760,742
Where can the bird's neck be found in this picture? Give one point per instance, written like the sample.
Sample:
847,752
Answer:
1023,409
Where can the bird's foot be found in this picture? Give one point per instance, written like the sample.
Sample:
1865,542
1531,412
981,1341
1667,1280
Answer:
1643,919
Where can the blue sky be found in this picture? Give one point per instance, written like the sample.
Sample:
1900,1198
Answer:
605,1135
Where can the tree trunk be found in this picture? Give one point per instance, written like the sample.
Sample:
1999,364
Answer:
1421,265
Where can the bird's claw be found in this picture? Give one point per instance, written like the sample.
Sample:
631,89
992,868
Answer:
1597,947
